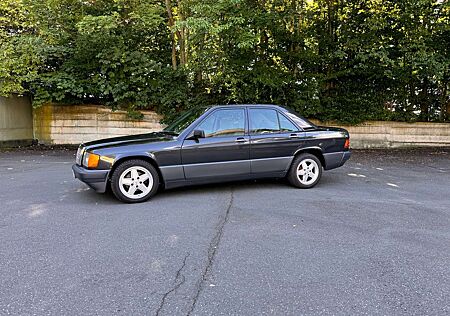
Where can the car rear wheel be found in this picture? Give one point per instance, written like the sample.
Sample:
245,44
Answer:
134,181
305,172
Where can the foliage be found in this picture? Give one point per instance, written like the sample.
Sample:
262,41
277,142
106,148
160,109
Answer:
340,60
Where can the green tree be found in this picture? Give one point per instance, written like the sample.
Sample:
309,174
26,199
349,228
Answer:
340,60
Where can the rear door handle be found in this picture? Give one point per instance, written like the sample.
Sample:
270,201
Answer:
240,140
294,136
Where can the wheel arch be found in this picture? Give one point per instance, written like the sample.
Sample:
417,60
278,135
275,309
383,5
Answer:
143,157
316,151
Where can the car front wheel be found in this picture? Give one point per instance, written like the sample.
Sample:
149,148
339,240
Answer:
134,181
305,172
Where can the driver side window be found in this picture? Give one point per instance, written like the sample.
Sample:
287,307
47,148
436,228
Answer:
224,122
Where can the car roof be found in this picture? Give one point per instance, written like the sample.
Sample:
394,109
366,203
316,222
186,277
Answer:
249,105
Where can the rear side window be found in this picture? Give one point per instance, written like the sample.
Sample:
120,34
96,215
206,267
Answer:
265,121
286,125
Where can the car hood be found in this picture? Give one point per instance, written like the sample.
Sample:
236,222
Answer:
129,140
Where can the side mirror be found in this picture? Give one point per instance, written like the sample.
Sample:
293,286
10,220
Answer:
198,133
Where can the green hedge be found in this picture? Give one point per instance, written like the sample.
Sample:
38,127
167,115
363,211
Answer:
333,60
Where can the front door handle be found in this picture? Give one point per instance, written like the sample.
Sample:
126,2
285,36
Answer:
240,140
294,136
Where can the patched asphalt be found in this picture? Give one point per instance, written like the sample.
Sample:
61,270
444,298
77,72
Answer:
372,238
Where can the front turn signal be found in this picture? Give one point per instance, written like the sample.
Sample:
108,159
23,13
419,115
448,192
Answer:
93,160
347,143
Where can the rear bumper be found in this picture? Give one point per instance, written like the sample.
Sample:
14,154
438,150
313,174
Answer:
337,159
347,155
96,179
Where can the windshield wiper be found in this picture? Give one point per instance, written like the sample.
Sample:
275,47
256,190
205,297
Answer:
169,132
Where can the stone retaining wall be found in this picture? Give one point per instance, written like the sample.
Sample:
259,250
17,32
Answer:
58,124
381,134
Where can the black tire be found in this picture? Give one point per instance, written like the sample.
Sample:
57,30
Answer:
292,174
115,179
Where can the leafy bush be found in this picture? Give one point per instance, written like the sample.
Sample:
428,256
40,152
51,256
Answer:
348,61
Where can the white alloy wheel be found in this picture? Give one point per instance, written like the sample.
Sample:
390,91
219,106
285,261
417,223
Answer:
307,171
135,182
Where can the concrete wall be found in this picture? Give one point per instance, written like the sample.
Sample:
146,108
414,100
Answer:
56,124
397,134
16,120
380,134
59,124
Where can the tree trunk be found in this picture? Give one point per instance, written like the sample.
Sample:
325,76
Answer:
182,43
181,34
445,111
424,101
171,24
331,33
412,96
174,54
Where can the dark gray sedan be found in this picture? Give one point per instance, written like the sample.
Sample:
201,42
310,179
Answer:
214,144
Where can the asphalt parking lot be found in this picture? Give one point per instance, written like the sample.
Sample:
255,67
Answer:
372,238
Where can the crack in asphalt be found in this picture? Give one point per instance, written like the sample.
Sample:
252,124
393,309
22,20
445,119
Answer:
212,249
178,276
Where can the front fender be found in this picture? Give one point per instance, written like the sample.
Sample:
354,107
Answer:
108,160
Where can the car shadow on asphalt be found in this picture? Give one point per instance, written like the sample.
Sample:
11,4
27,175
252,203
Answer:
279,184
90,196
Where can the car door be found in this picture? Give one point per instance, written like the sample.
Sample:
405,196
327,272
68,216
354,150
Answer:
274,139
224,151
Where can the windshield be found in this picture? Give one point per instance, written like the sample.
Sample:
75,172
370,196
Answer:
185,119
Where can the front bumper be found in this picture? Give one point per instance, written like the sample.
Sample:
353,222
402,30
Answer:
96,179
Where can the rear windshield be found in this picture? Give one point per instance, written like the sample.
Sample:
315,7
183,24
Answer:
298,119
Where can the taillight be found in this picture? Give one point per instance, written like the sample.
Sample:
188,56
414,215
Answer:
347,143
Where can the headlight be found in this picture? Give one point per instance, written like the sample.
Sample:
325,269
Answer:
91,160
79,155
